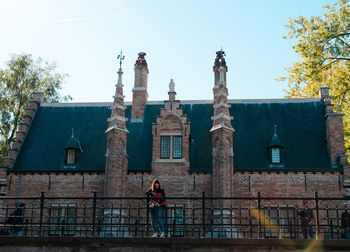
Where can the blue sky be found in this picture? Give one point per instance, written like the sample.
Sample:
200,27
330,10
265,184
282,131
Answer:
180,39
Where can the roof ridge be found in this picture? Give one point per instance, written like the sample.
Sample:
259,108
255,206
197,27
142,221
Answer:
273,100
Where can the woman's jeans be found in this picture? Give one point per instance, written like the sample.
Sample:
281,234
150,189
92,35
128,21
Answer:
158,219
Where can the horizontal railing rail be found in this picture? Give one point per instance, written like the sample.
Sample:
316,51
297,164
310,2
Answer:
230,217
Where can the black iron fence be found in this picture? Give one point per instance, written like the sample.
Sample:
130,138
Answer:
235,217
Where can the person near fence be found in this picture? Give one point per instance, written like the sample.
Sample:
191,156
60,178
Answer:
307,219
345,220
157,205
16,220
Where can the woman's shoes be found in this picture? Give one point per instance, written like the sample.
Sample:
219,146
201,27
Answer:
162,235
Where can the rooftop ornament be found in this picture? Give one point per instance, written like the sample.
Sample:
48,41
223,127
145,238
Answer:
172,86
220,60
121,57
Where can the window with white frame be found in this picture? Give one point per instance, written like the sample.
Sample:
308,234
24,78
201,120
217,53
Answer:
171,147
275,155
62,219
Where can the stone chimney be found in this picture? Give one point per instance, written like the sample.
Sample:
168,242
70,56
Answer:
140,94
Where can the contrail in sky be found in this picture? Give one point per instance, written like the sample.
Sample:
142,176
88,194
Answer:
69,20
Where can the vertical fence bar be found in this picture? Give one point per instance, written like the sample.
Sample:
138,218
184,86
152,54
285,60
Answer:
338,224
259,214
94,213
147,215
203,214
42,198
317,214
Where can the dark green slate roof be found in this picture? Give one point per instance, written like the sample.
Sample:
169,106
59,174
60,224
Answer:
50,131
301,129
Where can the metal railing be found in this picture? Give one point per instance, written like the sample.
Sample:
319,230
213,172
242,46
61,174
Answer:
234,217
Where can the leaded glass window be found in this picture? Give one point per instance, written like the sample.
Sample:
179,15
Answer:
165,147
177,147
275,155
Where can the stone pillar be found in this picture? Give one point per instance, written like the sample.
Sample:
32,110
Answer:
222,132
140,94
222,151
116,156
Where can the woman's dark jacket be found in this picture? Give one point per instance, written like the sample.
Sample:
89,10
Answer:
157,197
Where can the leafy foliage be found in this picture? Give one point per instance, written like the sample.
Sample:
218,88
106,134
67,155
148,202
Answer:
323,45
22,76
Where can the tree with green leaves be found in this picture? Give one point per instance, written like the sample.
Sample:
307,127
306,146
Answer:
323,46
22,76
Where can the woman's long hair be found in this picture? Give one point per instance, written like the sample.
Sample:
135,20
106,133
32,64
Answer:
155,181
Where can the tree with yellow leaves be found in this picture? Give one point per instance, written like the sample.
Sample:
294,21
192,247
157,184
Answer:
323,45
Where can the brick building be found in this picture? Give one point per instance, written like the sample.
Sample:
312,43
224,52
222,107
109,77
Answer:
225,148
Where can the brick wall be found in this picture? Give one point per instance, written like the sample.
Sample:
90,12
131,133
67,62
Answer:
290,184
175,184
65,185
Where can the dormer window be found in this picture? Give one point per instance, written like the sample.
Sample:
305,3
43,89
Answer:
275,155
73,150
275,152
171,133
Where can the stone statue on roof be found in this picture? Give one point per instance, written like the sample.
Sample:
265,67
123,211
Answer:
172,86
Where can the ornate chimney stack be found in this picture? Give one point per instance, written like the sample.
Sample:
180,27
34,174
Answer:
140,94
222,132
116,156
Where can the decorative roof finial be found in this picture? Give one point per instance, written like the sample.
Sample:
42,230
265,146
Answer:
172,86
220,60
275,126
121,57
73,132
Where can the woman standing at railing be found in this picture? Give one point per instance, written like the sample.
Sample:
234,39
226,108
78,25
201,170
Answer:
157,206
